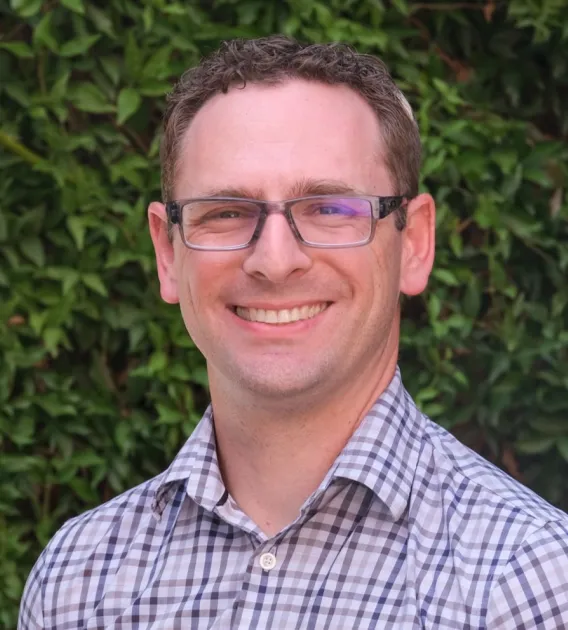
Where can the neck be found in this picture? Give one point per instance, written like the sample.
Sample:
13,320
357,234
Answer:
274,454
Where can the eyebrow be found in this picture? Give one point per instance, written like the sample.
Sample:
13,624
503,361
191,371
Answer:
303,188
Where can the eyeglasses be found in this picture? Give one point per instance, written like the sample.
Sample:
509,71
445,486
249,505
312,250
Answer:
326,221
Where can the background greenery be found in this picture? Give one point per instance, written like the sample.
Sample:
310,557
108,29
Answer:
99,382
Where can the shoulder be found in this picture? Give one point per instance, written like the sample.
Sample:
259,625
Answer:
532,589
87,553
506,546
466,477
127,508
75,541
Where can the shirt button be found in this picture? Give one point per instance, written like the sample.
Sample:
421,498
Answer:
267,561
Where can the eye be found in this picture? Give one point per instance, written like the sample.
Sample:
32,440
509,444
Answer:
215,212
330,209
227,214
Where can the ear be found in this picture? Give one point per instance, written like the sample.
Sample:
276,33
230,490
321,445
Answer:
164,249
418,245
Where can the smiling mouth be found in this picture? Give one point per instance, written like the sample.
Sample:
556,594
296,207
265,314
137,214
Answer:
281,316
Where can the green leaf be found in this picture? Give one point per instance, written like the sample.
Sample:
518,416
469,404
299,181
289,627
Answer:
535,445
402,6
54,406
94,282
51,339
158,362
19,49
154,88
120,257
83,490
101,20
43,35
456,243
32,248
157,67
174,9
128,103
427,394
128,168
23,431
3,227
26,8
123,437
19,94
74,5
434,306
69,282
86,459
501,364
167,415
148,18
562,446
78,46
433,410
67,276
77,226
446,277
59,88
88,98
37,321
472,299
111,67
19,463
132,57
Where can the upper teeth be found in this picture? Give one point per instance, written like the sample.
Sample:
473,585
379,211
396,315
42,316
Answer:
283,316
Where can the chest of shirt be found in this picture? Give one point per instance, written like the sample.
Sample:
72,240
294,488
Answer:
345,565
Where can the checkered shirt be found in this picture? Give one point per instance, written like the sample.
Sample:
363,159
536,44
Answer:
409,529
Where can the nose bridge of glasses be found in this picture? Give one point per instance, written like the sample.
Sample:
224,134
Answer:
273,208
276,207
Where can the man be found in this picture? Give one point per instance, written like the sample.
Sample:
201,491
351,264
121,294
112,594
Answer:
313,494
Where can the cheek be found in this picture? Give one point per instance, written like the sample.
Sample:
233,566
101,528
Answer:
201,277
192,287
384,270
188,281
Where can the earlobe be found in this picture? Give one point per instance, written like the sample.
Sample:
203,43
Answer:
164,250
418,245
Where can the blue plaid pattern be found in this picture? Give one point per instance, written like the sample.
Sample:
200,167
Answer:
409,530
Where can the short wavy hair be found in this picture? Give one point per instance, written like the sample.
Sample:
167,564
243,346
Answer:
276,59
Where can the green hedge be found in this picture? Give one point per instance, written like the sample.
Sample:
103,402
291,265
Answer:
99,383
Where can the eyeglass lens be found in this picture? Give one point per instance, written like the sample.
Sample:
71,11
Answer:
321,221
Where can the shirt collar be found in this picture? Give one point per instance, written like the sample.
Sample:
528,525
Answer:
197,465
382,454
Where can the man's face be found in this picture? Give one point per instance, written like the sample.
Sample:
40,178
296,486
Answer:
275,143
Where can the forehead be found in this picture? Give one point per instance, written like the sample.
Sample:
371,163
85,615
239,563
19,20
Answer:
268,138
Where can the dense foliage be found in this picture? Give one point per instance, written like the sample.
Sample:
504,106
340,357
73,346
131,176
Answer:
99,382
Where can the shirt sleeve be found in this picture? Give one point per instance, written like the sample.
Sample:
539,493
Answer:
532,592
31,605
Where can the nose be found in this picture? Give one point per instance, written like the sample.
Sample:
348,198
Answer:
277,254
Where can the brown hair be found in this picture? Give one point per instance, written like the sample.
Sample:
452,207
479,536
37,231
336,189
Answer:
272,60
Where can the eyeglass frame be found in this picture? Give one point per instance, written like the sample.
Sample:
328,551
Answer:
381,207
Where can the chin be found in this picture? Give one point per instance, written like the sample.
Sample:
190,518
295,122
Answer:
280,383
